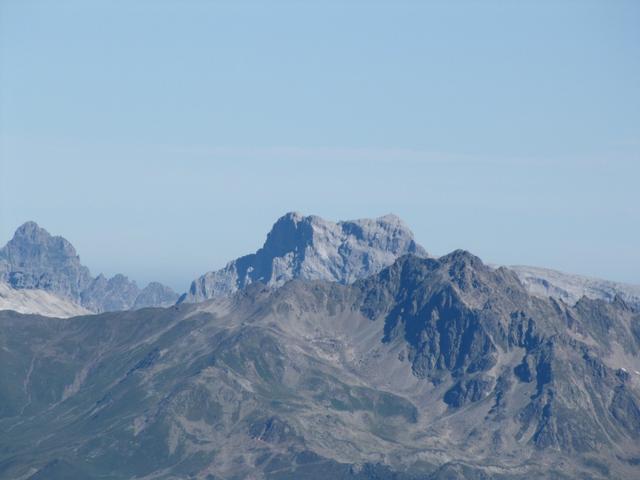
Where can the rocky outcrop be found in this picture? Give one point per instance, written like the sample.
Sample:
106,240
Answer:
311,248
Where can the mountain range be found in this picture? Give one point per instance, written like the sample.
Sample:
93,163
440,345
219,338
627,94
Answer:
337,350
429,369
35,265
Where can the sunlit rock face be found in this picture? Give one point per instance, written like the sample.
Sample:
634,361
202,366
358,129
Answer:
309,247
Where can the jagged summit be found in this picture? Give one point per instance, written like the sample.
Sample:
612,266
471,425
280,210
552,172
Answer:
312,248
36,260
31,235
30,228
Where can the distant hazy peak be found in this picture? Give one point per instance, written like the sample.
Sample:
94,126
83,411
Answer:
545,282
31,234
34,259
29,228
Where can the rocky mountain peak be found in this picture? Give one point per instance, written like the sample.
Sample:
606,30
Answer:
312,248
291,233
30,229
462,258
459,268
294,231
292,216
35,259
32,240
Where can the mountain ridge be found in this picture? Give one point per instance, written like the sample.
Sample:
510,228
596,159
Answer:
297,246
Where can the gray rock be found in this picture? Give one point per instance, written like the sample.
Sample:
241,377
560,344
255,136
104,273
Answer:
312,248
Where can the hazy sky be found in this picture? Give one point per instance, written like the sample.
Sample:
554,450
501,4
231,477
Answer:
165,138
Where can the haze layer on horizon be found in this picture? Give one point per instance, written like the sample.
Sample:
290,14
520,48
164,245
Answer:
164,138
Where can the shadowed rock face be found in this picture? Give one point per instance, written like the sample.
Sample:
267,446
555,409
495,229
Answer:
429,369
312,248
434,301
33,259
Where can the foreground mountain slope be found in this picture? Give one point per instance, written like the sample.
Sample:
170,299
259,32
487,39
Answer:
430,369
312,248
34,259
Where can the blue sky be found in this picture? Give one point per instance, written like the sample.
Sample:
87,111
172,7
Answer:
164,138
